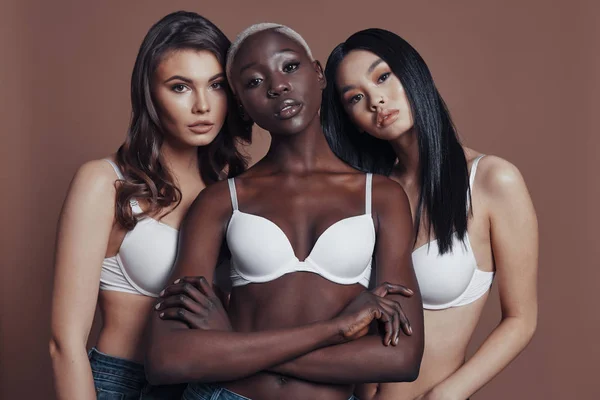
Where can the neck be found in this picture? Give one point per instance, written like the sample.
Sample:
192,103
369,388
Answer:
406,148
301,153
181,160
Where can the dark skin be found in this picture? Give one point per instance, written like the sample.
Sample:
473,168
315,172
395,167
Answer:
309,333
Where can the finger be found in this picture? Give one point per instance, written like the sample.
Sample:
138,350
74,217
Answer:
181,315
403,319
188,289
391,288
386,320
207,288
181,301
395,323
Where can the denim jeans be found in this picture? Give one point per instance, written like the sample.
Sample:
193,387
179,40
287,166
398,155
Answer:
119,379
200,391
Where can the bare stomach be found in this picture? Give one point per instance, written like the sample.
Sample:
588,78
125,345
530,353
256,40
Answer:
124,318
293,300
447,335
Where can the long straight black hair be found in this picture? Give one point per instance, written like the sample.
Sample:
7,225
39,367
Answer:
444,176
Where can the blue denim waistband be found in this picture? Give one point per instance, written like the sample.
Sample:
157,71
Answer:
202,391
118,367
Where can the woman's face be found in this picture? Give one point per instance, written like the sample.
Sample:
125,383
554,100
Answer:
189,92
373,96
277,83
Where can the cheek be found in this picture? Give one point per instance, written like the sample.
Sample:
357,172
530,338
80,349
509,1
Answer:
362,120
171,108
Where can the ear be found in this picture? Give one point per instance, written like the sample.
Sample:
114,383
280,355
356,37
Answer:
320,74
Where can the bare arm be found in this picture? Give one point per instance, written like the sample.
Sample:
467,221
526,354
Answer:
367,359
83,233
179,354
515,246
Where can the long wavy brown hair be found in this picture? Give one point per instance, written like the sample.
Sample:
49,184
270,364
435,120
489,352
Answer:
147,178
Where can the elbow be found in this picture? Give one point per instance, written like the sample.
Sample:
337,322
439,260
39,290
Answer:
59,347
407,366
161,369
167,368
53,348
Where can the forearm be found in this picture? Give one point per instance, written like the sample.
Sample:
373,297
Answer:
184,355
363,360
502,346
72,373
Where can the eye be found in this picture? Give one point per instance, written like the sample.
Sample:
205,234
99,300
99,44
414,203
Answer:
383,77
291,67
254,82
217,85
355,99
179,88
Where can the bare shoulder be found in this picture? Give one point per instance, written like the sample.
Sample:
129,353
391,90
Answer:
94,178
499,178
388,195
214,199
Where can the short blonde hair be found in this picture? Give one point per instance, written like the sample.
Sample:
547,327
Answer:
257,28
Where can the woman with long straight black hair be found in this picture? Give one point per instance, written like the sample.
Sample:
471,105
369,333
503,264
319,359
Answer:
118,230
474,219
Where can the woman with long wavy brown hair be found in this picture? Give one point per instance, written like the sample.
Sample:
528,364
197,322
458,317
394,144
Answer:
118,230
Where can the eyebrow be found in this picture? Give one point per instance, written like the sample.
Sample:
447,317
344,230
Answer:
188,80
252,64
369,70
373,65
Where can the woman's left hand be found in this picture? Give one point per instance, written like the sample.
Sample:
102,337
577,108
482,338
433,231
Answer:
193,301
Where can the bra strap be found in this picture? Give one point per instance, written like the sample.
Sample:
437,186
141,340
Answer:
135,206
472,180
233,193
474,170
116,168
368,188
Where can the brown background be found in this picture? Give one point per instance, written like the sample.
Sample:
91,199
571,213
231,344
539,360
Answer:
520,78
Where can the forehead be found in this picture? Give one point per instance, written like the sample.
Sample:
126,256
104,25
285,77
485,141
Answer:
357,65
264,44
189,62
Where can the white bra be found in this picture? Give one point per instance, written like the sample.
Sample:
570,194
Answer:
261,252
452,279
145,259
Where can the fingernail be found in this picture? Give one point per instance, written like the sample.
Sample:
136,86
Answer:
410,329
162,293
157,306
177,281
162,314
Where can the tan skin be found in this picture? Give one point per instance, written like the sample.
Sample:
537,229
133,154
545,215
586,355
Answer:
502,231
301,325
187,88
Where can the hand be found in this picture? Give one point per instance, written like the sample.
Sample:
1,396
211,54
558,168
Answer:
193,301
371,305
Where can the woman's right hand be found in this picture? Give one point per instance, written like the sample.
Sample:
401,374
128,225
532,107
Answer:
193,301
372,305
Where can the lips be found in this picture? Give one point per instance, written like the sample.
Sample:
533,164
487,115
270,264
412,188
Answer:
201,127
287,109
387,117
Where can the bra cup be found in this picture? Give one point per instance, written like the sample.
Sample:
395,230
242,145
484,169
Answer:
259,248
344,250
443,278
147,254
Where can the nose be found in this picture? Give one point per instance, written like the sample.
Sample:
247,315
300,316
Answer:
278,87
377,101
201,103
